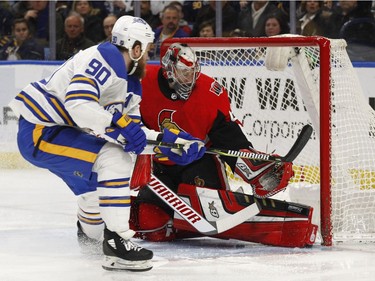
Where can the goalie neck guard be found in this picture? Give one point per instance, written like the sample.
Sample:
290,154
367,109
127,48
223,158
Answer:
181,68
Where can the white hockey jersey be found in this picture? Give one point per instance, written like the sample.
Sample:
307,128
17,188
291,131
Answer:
83,92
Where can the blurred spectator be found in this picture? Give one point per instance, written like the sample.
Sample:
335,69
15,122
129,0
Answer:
354,22
238,33
108,24
208,12
93,20
21,45
37,13
328,5
118,7
157,6
63,8
183,23
146,14
276,24
6,19
74,39
311,22
207,29
360,36
191,9
360,31
170,19
251,19
345,11
284,7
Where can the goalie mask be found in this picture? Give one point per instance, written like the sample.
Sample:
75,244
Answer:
181,68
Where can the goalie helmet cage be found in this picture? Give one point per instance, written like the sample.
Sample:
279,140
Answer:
318,86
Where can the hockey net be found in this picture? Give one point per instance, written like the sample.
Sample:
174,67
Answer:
335,173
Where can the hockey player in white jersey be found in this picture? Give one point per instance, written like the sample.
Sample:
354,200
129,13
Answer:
97,90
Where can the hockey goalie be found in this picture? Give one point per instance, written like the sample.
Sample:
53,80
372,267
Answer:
177,96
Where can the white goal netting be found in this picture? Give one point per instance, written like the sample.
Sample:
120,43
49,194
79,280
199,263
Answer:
273,107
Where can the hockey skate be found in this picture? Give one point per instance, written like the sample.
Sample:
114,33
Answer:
121,254
88,245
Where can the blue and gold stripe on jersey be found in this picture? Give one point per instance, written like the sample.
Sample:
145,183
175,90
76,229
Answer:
90,218
56,104
39,110
117,183
34,107
114,201
84,93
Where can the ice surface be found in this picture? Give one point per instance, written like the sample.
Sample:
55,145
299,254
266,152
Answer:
38,243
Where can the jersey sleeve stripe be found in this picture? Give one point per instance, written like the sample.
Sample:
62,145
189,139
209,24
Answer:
55,104
81,82
34,107
85,95
84,80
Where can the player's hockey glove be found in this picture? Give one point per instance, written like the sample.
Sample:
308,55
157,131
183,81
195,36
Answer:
132,132
266,178
192,150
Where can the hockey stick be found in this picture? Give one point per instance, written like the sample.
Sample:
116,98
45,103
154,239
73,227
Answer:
193,217
295,150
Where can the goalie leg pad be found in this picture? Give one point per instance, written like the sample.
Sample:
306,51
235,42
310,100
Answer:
266,178
279,223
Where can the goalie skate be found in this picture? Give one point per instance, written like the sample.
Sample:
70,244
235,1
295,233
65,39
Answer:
121,254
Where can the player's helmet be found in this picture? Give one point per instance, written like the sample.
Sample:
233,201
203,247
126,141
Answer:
181,68
128,29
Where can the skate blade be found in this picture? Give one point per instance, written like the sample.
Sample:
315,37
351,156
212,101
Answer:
117,264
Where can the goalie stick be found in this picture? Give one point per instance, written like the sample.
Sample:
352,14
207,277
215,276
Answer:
193,217
295,150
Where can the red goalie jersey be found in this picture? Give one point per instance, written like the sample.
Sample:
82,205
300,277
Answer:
205,115
160,107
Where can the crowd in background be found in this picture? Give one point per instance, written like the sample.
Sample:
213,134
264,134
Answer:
24,25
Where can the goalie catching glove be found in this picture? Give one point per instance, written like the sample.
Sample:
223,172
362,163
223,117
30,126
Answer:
266,178
125,126
193,148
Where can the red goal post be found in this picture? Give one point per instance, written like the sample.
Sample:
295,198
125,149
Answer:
318,86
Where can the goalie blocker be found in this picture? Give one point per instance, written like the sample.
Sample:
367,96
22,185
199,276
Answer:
279,223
